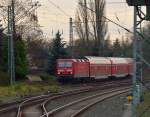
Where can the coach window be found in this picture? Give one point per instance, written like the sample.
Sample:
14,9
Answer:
68,64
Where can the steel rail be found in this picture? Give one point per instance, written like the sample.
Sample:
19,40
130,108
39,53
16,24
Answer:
44,97
14,105
31,99
40,99
98,101
54,96
108,94
97,88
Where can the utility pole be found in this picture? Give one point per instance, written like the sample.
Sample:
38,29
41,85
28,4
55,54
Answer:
13,31
13,17
71,37
86,22
11,62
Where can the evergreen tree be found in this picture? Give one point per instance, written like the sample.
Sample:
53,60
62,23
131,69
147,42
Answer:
146,43
126,48
57,50
4,53
108,48
1,42
117,50
21,64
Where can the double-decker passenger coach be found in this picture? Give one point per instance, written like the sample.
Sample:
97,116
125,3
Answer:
94,68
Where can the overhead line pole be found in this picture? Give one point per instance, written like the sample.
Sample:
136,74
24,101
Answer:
11,31
13,39
9,38
71,38
86,22
137,50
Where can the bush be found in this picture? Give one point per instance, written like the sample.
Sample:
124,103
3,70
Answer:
4,79
48,78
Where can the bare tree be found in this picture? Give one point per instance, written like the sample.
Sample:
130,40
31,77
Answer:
94,22
82,25
100,25
25,18
26,25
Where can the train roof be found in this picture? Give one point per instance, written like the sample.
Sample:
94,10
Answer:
98,60
74,60
102,60
117,60
130,60
108,60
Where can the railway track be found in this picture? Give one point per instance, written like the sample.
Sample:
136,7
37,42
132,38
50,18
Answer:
75,97
38,100
75,108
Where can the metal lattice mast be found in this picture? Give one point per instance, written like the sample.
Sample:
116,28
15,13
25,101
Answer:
11,64
137,50
9,35
12,40
71,37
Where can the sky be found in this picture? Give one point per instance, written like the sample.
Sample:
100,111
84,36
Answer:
51,18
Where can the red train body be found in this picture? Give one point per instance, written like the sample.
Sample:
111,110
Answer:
94,68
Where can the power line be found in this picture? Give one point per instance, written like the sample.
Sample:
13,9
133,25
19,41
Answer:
141,35
110,20
115,2
111,2
59,8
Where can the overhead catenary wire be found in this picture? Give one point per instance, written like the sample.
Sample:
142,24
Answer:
109,20
123,27
112,3
116,2
141,35
59,8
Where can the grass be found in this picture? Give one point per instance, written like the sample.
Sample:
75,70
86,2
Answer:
143,108
22,88
146,75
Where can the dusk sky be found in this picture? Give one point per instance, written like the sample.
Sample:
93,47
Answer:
53,19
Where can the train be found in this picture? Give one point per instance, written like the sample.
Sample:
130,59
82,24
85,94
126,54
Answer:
93,68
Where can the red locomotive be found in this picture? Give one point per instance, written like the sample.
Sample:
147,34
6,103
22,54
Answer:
94,68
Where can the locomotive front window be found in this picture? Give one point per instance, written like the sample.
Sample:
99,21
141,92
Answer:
68,64
65,64
61,64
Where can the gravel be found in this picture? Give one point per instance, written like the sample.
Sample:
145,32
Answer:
113,107
9,114
62,101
